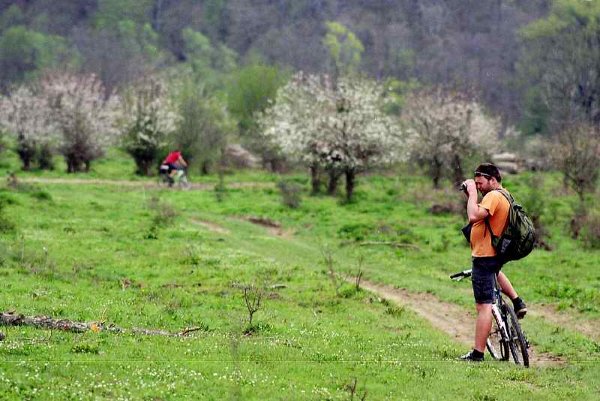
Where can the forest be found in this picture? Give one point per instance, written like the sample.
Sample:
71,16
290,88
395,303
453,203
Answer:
493,49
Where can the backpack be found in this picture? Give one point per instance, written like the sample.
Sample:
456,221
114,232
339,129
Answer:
518,239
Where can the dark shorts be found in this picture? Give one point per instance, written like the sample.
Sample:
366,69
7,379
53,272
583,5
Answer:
484,278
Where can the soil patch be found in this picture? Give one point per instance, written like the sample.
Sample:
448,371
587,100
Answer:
210,226
141,184
447,317
273,227
589,328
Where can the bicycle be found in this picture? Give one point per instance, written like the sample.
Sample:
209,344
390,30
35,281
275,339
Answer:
506,337
180,178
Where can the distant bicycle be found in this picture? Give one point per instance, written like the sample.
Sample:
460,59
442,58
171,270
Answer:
506,337
179,179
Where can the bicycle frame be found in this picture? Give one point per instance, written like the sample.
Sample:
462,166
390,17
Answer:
500,320
179,178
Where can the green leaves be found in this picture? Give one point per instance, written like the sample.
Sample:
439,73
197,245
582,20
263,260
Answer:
344,48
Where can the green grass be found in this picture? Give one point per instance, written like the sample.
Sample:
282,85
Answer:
140,258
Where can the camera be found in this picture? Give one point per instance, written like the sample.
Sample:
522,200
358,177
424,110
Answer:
463,188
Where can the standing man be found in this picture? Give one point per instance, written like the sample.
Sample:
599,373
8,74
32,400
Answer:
495,208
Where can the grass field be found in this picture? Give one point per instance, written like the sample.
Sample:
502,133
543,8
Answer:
141,257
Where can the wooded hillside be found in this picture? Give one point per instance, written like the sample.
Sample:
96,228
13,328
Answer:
471,45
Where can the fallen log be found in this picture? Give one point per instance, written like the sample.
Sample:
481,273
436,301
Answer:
46,322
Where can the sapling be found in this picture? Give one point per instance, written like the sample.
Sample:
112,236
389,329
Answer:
252,298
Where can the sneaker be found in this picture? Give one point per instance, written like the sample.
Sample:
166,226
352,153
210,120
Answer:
469,357
519,307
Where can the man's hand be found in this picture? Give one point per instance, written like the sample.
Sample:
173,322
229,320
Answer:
470,187
474,211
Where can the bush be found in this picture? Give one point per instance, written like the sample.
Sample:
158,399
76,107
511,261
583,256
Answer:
6,225
590,231
290,193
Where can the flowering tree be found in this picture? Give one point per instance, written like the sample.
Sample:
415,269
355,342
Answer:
149,117
84,115
25,114
339,125
444,128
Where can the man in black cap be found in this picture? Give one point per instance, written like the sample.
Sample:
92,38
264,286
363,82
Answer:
486,265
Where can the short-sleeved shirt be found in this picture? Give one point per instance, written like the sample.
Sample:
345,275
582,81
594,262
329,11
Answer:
498,208
173,157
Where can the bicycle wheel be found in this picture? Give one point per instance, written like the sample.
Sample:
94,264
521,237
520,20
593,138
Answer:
496,345
517,342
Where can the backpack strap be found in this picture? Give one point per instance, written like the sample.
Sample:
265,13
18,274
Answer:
510,200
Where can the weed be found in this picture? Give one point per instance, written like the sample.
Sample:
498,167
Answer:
41,194
85,348
152,232
192,256
220,188
164,215
395,311
333,277
359,273
484,397
352,389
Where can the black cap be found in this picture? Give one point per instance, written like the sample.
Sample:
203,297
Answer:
488,170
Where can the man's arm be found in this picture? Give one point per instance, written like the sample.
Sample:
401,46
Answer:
474,211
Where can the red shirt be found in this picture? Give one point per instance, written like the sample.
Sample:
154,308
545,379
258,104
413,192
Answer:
172,158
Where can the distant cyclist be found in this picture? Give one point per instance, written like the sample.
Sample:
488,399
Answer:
173,164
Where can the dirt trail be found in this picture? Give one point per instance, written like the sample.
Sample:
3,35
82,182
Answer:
141,184
445,316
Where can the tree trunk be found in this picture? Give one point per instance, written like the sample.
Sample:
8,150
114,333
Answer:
458,170
26,152
206,167
315,179
334,176
435,172
350,181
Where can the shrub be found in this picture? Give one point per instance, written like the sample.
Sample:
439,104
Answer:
590,231
290,193
6,225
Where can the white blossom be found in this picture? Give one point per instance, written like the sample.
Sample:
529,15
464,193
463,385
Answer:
444,128
318,121
84,114
24,114
149,117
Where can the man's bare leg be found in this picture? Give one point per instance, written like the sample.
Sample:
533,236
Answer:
506,286
483,325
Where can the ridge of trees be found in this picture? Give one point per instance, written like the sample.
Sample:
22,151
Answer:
473,45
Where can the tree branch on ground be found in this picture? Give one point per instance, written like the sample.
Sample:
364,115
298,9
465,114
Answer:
46,322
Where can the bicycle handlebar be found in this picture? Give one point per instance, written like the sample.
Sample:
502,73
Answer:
461,275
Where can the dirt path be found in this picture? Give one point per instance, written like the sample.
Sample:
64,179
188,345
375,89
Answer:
445,316
141,184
